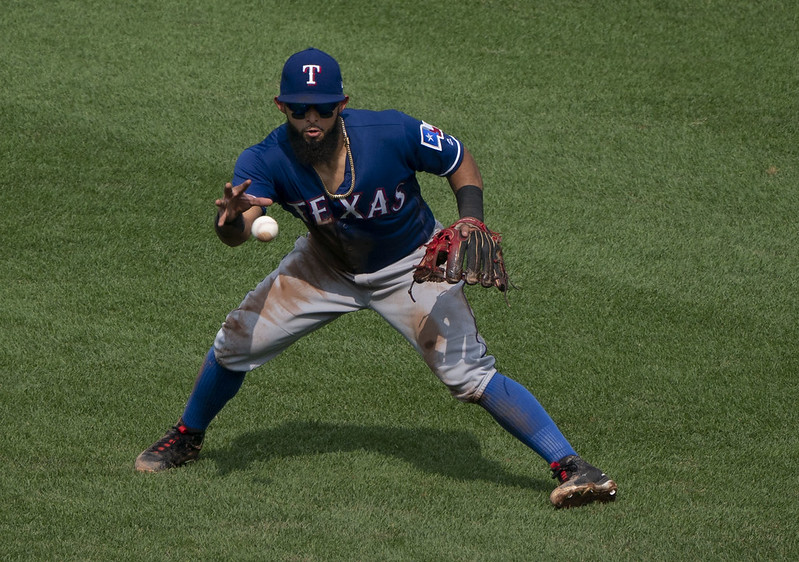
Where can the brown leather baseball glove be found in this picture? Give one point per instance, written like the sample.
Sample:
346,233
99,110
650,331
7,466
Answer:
467,239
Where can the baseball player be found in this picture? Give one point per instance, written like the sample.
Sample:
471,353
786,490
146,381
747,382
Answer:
372,243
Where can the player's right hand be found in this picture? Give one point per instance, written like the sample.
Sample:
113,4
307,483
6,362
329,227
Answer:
235,201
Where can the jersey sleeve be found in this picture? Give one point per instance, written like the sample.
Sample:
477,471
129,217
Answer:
250,166
434,151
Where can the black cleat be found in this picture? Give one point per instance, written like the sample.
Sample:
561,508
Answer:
580,483
179,446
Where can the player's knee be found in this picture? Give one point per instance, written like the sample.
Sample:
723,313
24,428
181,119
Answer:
227,355
469,388
222,356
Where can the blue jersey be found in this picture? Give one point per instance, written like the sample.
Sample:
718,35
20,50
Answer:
384,218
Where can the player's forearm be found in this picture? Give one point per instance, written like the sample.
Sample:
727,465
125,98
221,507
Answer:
467,173
467,184
232,233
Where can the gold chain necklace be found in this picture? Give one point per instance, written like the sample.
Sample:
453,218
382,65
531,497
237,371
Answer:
352,167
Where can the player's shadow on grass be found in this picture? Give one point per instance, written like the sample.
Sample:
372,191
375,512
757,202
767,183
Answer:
455,454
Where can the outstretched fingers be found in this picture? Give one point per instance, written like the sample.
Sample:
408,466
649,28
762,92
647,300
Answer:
235,201
260,201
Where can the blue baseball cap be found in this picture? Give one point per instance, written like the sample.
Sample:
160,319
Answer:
311,76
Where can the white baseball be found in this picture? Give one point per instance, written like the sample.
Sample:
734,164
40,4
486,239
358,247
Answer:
264,228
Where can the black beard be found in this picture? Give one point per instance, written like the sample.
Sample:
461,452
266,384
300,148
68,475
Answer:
314,152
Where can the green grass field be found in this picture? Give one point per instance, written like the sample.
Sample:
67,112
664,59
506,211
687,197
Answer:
640,160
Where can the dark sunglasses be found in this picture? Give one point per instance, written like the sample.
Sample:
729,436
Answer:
325,110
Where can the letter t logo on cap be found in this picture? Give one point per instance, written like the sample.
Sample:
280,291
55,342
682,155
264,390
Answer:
311,69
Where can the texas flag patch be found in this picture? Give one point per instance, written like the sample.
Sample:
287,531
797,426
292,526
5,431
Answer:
431,136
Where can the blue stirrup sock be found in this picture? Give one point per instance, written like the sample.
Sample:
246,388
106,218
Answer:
215,385
518,412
